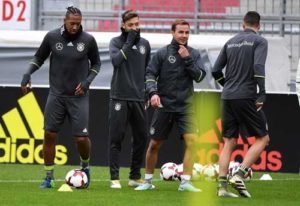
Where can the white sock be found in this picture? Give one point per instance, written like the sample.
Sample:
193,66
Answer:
185,178
148,176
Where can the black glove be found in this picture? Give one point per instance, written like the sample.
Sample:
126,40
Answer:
25,80
85,85
132,37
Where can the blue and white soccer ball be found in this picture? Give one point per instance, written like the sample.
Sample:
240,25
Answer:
76,178
168,171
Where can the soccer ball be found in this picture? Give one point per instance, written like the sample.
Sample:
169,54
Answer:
210,173
197,171
168,171
232,165
247,177
179,171
76,178
233,168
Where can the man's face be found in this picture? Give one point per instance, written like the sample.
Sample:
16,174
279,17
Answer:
72,23
133,23
181,34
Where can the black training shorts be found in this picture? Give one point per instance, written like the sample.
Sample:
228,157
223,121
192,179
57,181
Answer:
75,108
242,113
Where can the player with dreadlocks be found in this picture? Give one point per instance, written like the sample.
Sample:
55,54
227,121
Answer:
74,63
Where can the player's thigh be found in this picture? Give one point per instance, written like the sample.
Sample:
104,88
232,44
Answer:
117,118
186,123
78,112
161,125
230,124
54,113
252,120
138,118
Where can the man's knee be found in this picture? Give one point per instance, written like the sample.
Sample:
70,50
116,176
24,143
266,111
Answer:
154,145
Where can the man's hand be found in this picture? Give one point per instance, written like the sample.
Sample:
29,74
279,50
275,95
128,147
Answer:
183,52
260,101
79,91
155,101
131,37
26,84
259,105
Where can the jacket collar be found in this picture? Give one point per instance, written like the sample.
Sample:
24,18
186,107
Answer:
64,32
175,44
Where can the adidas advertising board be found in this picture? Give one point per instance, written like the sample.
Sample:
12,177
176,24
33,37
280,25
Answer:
21,132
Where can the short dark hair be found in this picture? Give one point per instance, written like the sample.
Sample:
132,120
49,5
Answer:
252,18
129,14
179,22
73,10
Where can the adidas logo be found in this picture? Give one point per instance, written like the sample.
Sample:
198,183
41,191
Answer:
22,134
84,130
134,47
70,44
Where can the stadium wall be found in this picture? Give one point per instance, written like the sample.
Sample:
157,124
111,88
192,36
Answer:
21,132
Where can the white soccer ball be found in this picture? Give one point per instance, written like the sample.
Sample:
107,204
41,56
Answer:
168,171
76,178
232,165
197,171
247,177
210,173
179,171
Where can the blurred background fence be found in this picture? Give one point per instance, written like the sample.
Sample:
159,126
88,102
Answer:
279,17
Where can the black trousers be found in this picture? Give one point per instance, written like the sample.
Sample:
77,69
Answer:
120,114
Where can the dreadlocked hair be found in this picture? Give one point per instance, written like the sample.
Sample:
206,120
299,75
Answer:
73,10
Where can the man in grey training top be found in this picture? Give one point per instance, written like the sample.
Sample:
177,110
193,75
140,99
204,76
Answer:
74,63
244,56
130,54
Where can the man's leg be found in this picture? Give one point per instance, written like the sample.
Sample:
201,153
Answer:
117,128
229,145
49,155
151,160
188,162
83,145
255,150
251,156
139,133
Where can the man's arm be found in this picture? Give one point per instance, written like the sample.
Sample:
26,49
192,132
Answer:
40,56
260,56
152,72
218,67
119,53
194,66
94,57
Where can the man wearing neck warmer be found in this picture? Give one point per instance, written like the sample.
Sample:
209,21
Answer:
130,54
74,63
169,83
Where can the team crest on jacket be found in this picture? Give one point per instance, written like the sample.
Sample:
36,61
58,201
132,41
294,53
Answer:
80,47
117,106
142,49
172,59
59,46
152,131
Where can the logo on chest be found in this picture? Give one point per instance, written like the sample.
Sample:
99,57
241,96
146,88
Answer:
172,59
59,46
80,47
142,49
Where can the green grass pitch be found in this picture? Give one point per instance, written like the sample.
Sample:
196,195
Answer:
19,185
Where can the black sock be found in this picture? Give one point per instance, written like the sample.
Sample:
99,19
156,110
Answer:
222,181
